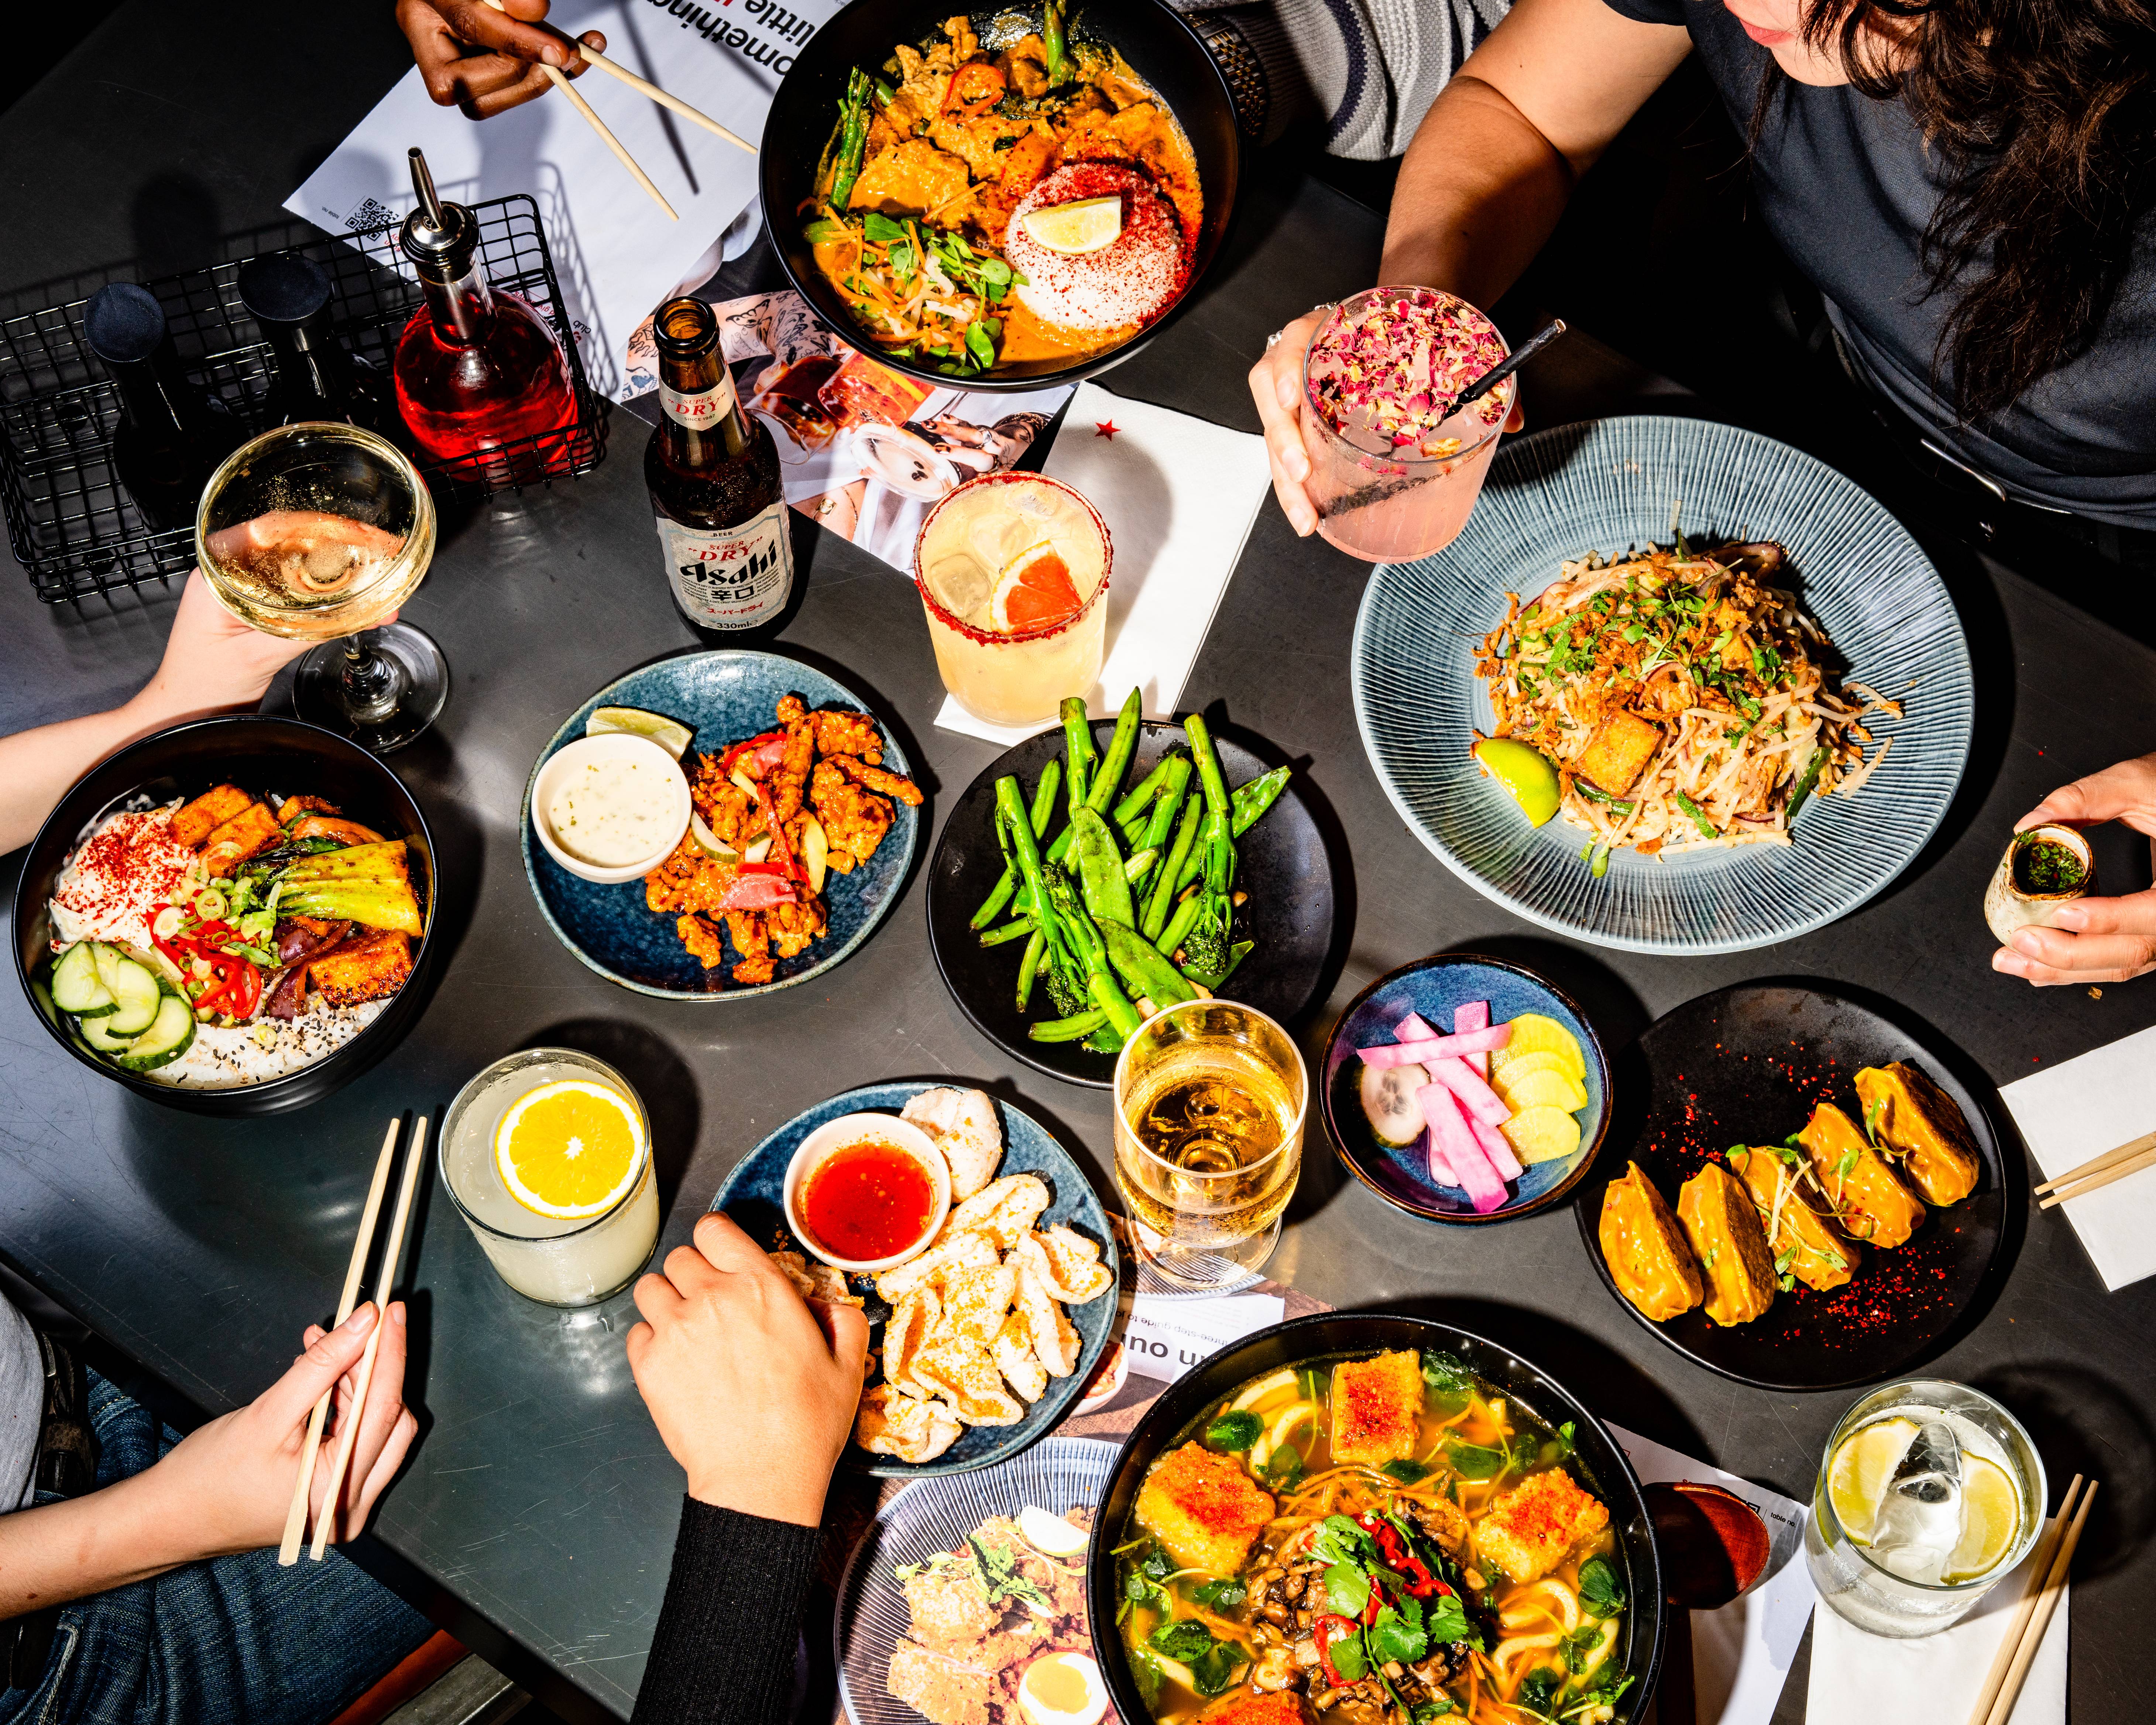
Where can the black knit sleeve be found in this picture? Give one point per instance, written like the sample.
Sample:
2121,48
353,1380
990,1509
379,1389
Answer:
724,1647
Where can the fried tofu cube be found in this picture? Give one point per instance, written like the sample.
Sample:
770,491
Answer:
1619,752
1204,1509
366,969
1375,1402
231,842
1281,1707
292,808
1793,1209
1868,1197
1725,1237
1918,1124
1646,1250
1536,1526
199,818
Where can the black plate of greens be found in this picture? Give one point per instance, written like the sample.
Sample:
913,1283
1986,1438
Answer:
1281,866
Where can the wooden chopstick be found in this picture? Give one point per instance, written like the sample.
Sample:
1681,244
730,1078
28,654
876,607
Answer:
559,80
2096,1182
2040,1566
2101,1164
385,1278
2047,1601
296,1519
646,87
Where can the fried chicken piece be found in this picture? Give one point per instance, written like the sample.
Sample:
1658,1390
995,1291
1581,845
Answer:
854,821
843,733
691,879
747,932
783,784
792,927
876,778
725,808
702,941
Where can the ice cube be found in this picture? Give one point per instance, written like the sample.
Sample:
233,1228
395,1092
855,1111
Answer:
962,585
996,534
1920,1518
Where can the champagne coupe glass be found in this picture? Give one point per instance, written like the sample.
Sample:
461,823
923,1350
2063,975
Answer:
319,530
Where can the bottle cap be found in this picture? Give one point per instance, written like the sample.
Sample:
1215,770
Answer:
439,237
123,324
282,288
684,327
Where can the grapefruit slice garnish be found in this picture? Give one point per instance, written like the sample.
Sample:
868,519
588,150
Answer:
1034,591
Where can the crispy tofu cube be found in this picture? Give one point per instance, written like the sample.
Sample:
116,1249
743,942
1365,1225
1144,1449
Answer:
1918,1125
1282,1707
199,818
1869,1198
1619,752
292,808
364,969
1723,1227
233,841
1203,1508
1536,1526
1375,1402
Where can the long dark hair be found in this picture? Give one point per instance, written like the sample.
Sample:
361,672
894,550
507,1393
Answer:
2043,114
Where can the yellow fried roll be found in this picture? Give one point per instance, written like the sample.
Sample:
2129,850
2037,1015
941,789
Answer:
1645,1249
1868,1197
1724,1231
1918,1124
1805,1242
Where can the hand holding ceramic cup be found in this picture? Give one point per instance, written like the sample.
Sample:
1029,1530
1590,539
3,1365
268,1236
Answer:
2040,901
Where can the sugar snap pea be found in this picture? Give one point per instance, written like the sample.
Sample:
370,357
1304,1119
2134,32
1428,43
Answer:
1100,791
1108,892
1070,1029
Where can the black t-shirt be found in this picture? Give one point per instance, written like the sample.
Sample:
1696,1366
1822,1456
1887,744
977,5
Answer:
1843,182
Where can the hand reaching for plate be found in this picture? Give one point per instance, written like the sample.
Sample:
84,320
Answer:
2093,939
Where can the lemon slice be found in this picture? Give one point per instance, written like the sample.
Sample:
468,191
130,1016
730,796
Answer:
1991,1520
669,734
1542,1134
1862,1469
1086,225
571,1148
1533,1033
1545,1087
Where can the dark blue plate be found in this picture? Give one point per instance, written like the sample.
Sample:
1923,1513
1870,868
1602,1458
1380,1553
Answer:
1433,987
753,1196
723,697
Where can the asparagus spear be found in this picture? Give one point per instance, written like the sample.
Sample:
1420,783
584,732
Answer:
853,136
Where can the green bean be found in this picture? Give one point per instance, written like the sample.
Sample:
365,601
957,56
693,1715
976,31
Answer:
1166,884
1108,893
1121,1015
1141,793
1043,805
1208,765
1167,803
1798,797
1138,867
1251,800
1020,831
1185,919
1016,929
1071,1030
1131,831
1052,42
1143,969
1122,746
853,136
1029,968
1077,747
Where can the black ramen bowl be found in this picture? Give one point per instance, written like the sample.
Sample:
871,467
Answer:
1156,43
258,755
1597,1459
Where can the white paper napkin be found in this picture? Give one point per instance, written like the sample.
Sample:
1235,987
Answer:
1167,1336
1741,1655
2079,1109
1857,1676
1178,495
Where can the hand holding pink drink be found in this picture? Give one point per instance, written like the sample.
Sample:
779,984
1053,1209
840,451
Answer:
1485,1101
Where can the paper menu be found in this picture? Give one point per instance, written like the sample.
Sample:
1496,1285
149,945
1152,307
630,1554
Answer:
616,254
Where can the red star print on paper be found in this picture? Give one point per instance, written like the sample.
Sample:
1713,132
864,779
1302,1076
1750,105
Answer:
1105,428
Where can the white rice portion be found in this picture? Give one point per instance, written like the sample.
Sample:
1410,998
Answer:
222,1058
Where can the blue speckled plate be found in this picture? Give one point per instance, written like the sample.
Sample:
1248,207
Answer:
1433,987
1608,485
754,1195
723,697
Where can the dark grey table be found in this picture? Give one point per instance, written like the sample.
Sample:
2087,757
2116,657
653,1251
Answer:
539,1509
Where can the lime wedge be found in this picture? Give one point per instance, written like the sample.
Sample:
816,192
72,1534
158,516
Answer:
1531,779
1086,225
669,734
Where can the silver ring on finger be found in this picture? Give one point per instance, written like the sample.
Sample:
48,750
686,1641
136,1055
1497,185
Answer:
1272,341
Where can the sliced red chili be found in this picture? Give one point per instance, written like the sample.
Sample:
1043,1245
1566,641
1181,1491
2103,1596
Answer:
1327,1629
974,89
726,761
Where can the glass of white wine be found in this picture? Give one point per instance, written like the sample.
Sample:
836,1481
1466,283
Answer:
319,531
1210,1101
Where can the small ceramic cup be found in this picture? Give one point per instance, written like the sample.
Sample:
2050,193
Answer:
666,778
860,1128
2011,901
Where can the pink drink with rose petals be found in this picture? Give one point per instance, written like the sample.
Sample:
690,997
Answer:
1394,469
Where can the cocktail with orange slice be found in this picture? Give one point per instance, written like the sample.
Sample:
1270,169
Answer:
1013,569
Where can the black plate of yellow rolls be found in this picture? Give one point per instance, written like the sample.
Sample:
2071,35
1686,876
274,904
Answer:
1814,1198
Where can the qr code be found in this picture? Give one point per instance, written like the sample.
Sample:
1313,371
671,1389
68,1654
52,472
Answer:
369,214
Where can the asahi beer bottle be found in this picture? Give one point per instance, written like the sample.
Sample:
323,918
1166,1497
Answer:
713,472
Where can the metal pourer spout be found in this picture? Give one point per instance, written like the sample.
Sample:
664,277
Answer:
438,236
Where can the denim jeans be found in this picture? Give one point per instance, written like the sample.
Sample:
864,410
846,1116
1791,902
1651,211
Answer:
232,1639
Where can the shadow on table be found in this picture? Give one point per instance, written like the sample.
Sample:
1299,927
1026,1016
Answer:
1607,1001
661,1080
2084,1423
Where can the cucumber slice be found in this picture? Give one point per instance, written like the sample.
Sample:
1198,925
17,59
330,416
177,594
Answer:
135,986
168,1037
76,985
1390,1105
99,1034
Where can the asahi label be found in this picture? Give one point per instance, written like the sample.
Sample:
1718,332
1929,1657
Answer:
699,409
735,578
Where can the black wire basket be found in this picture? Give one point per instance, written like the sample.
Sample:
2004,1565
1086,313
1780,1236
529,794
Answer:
72,524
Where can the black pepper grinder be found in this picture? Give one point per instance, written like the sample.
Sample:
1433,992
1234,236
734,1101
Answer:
172,431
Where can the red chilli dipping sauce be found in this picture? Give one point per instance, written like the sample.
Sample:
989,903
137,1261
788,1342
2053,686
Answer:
867,1200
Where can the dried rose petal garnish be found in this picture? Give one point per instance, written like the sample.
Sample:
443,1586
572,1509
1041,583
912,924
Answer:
1393,365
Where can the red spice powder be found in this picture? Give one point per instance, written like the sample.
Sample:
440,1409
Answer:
133,865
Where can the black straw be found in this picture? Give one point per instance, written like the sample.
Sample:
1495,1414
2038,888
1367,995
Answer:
1497,374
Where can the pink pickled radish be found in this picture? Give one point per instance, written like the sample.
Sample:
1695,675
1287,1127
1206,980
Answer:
1495,1147
1424,1050
1471,1015
1414,1028
1448,1129
1440,1164
1464,1082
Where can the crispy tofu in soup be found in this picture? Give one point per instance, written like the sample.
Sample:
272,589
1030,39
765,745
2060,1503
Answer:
1367,1539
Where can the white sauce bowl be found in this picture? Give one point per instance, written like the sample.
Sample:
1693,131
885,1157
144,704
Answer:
854,1129
587,752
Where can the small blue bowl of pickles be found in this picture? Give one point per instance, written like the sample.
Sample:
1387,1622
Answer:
1466,1089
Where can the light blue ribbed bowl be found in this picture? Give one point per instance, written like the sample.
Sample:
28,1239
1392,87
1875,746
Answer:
1609,486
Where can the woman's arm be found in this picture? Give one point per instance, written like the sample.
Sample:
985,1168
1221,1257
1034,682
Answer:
1487,177
226,1487
212,663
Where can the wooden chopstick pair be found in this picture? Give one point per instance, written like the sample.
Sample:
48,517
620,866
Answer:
295,1518
559,80
2099,1171
2024,1633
